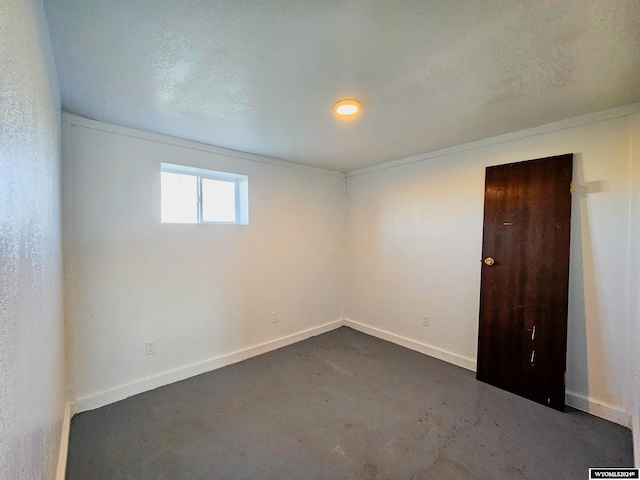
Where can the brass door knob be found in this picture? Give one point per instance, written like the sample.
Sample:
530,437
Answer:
489,261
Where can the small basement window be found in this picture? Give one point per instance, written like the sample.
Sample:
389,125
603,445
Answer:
196,195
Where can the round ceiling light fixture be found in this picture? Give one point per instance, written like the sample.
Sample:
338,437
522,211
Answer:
347,107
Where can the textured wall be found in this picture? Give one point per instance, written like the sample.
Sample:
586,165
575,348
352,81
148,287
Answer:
414,235
31,321
199,291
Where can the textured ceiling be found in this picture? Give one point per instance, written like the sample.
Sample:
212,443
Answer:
262,76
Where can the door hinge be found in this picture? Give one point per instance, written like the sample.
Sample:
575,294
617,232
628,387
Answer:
565,379
571,188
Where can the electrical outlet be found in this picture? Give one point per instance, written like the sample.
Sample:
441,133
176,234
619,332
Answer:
274,317
425,320
150,347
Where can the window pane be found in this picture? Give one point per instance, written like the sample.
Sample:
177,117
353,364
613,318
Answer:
218,201
179,202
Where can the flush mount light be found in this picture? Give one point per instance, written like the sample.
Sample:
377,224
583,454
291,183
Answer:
347,107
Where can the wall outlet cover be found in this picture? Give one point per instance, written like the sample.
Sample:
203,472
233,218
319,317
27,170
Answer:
150,347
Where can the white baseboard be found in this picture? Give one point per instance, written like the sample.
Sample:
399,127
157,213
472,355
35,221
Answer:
635,431
599,409
464,362
116,394
64,443
90,402
575,400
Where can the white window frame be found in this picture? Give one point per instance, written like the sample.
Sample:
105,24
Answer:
240,181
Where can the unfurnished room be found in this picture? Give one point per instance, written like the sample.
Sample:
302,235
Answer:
299,239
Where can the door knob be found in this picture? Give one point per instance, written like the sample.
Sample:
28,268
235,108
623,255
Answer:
489,261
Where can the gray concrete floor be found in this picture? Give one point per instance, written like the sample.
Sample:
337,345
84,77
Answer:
342,405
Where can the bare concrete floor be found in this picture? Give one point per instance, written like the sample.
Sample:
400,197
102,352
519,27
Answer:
342,405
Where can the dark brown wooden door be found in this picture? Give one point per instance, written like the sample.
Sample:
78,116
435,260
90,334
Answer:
522,339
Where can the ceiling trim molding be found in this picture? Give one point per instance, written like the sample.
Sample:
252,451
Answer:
611,113
73,119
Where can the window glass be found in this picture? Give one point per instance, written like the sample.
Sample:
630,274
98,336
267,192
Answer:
218,200
179,203
198,195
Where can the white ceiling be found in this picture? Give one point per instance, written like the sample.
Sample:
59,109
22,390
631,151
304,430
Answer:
262,76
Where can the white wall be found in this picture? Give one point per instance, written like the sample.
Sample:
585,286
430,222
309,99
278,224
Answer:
634,288
199,291
31,321
414,233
